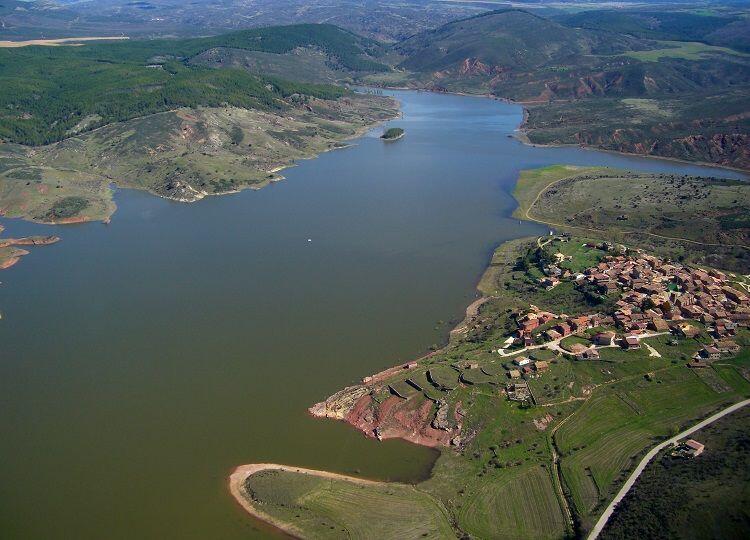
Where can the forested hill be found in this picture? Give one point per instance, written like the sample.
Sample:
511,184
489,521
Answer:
725,30
511,38
48,93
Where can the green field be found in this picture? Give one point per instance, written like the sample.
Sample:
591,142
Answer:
656,211
604,439
334,508
522,506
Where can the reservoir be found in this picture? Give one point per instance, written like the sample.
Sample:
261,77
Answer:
142,360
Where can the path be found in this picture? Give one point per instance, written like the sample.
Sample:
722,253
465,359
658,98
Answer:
645,461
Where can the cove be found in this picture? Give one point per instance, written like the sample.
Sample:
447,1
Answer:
141,361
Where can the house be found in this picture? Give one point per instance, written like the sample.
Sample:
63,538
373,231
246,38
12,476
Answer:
659,325
576,348
552,335
521,361
709,353
694,448
685,330
550,283
563,329
604,338
579,324
632,342
541,365
588,354
727,346
529,322
514,374
691,311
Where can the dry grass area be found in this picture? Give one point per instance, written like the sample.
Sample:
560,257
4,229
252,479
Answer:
58,42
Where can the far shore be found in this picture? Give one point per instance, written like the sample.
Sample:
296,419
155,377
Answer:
522,132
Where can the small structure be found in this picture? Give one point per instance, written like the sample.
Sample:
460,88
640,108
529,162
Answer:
521,360
514,374
588,354
695,448
606,339
727,346
660,325
631,342
709,352
690,449
519,391
541,366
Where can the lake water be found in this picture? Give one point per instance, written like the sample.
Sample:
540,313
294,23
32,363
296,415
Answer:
143,360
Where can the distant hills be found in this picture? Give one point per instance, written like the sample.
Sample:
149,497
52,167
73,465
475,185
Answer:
49,93
507,39
625,80
726,30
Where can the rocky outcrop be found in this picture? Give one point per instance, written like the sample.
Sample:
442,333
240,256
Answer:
180,191
340,404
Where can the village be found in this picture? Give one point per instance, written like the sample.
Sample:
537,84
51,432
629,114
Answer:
656,297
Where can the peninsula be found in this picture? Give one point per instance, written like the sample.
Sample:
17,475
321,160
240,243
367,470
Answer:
582,354
10,253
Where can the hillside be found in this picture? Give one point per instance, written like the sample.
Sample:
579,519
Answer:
151,115
47,94
504,41
647,93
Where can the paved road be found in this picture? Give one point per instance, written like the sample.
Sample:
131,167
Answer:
645,461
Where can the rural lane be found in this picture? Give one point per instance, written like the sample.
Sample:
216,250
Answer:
645,461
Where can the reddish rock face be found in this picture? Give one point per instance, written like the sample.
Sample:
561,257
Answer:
409,419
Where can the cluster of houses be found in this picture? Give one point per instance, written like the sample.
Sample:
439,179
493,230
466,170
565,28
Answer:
656,296
527,367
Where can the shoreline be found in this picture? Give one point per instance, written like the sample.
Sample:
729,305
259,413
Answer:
341,144
522,131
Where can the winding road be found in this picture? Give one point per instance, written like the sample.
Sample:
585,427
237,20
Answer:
599,527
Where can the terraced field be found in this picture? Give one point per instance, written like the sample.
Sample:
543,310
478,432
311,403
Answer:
524,506
601,441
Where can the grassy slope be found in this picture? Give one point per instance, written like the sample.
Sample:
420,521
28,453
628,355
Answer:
654,211
179,154
333,508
